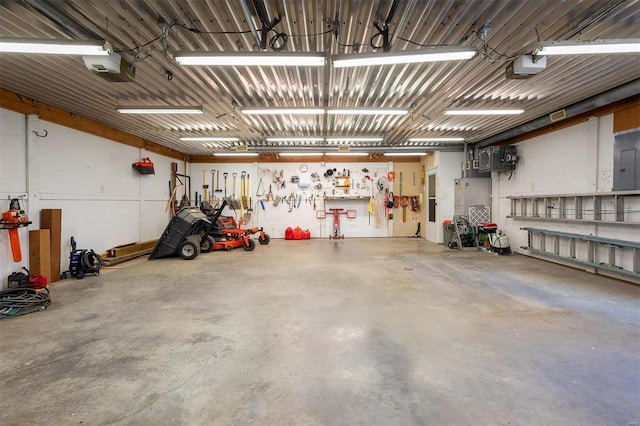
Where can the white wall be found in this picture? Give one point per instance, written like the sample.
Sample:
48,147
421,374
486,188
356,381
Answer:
275,219
104,201
577,159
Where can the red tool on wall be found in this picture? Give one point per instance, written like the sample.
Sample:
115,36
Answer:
12,219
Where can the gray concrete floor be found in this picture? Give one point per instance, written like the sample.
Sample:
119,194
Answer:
361,331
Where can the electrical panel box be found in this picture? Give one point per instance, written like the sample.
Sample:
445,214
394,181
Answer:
626,161
497,158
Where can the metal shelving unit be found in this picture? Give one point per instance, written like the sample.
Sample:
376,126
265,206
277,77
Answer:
577,208
595,247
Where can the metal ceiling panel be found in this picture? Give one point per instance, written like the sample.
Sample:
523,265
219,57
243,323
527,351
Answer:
514,27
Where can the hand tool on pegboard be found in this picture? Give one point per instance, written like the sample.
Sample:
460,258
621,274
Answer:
218,189
205,187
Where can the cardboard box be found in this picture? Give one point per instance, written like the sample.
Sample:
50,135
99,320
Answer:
51,219
40,253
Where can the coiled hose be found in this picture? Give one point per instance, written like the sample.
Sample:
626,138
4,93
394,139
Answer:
91,262
23,300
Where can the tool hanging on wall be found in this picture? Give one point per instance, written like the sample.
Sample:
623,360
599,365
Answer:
415,208
247,215
225,174
371,205
243,176
12,219
260,189
218,189
212,198
234,201
205,187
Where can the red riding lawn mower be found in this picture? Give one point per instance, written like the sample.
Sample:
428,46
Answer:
226,234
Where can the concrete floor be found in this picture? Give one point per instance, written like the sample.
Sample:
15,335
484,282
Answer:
360,331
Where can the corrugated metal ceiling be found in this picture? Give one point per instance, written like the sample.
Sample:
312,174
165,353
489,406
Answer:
425,89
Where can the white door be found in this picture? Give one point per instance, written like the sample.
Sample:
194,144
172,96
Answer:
432,206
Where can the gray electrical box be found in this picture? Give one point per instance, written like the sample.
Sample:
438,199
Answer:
471,192
497,158
626,161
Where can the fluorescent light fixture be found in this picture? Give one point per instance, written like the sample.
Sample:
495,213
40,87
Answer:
355,139
250,59
368,111
283,111
210,138
404,57
301,154
420,139
235,154
348,154
294,139
548,48
55,47
404,154
161,110
463,111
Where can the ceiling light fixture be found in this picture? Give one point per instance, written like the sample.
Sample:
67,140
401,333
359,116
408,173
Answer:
368,111
161,110
421,139
463,111
301,154
404,154
548,48
235,154
294,139
210,138
250,59
404,57
55,47
355,139
283,111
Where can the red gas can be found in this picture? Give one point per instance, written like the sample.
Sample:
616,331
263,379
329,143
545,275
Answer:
288,233
297,233
306,234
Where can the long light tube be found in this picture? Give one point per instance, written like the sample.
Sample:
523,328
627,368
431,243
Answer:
549,48
404,57
250,59
55,47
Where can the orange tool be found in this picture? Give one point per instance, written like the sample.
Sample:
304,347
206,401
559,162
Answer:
12,219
